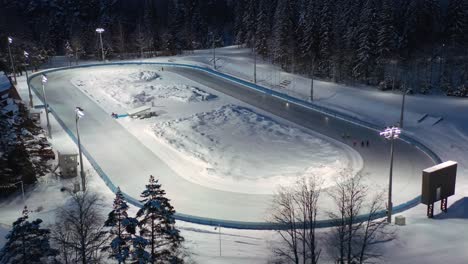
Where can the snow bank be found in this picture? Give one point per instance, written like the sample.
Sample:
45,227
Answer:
240,150
137,87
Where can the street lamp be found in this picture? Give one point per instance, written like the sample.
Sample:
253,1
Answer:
219,232
26,56
390,133
10,41
44,81
214,50
79,113
100,31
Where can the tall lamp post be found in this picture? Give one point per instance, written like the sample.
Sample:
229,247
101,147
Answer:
79,113
390,133
10,41
219,232
26,56
44,81
100,31
214,50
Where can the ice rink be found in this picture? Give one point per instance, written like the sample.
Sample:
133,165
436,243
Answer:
234,174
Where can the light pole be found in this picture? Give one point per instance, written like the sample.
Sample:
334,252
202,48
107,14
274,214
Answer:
22,189
79,113
10,41
26,56
100,31
219,232
214,50
312,79
44,81
403,106
390,133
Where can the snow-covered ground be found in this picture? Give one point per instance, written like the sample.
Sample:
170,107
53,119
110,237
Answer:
212,139
423,240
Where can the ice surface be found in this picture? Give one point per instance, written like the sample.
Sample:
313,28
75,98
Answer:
214,140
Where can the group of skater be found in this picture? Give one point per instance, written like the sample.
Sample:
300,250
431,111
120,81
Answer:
364,143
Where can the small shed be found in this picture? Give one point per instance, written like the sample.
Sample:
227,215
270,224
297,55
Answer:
68,163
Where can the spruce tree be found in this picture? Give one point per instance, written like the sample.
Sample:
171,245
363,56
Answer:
121,229
157,224
282,41
262,30
366,41
27,243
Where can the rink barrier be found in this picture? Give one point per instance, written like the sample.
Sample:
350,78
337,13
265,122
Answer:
244,224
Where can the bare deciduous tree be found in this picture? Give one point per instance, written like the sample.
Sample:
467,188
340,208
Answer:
296,210
79,229
354,236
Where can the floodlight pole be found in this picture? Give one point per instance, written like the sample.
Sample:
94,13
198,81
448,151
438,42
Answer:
82,174
403,107
31,105
390,181
46,109
100,31
11,60
390,133
214,50
255,61
312,79
219,230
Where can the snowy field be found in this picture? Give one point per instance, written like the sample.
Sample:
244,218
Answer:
215,140
423,240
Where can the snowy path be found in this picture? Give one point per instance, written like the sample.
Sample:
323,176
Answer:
128,162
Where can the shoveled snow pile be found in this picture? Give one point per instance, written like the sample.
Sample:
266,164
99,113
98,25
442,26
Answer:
144,76
137,87
178,92
232,146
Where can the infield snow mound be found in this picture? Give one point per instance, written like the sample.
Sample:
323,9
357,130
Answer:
237,149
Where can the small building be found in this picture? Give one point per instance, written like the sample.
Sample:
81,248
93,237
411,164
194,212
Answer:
68,163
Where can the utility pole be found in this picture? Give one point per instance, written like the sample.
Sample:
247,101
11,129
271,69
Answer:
10,41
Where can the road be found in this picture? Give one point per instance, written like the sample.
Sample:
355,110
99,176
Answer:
128,162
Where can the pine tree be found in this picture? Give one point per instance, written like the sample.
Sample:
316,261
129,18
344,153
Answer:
249,22
366,41
239,27
157,224
282,41
386,35
27,243
139,253
325,37
122,228
263,29
457,22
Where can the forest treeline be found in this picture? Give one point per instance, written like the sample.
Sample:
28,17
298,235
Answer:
417,44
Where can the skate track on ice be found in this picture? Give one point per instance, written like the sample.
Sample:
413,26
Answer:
118,156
